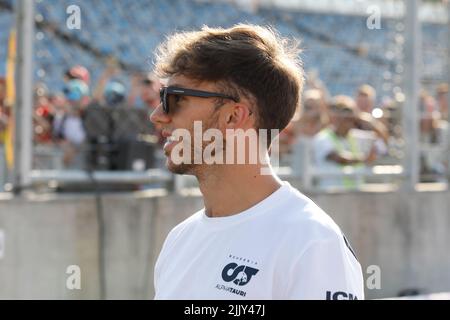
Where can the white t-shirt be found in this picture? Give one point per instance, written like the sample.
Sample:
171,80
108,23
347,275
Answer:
323,145
74,131
284,247
71,128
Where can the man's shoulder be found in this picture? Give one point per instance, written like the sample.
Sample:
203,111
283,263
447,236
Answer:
186,224
301,214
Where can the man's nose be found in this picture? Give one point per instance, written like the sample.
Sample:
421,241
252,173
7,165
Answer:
158,116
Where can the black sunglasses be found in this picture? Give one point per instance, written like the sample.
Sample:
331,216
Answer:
165,93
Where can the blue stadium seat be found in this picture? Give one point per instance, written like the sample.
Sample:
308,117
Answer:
131,30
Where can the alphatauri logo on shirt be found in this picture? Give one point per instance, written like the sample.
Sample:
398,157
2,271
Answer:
239,274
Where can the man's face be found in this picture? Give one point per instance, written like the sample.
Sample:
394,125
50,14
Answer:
342,121
150,91
184,110
364,103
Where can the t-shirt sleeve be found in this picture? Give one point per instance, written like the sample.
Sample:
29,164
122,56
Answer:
327,270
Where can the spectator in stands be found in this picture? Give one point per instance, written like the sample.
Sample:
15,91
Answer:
433,138
68,126
78,72
313,82
2,91
42,116
365,101
3,114
145,94
365,98
428,115
443,126
314,115
308,123
3,129
60,108
341,144
391,117
145,91
442,98
77,94
115,94
287,137
109,92
3,124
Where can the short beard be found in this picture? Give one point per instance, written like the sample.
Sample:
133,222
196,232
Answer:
192,168
182,168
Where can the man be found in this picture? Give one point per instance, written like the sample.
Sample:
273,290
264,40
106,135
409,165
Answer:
314,115
365,102
442,98
365,98
257,237
77,72
341,144
144,91
68,129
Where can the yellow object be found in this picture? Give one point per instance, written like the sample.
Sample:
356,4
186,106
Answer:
10,98
349,183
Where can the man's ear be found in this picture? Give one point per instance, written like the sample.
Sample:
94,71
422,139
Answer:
237,116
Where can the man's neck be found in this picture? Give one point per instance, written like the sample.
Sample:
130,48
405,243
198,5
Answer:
230,189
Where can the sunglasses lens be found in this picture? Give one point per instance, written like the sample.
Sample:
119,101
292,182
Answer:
163,98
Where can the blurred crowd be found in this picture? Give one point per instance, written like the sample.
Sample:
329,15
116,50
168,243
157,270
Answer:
357,133
58,116
343,131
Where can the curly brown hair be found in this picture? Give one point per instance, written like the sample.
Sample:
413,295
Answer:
244,60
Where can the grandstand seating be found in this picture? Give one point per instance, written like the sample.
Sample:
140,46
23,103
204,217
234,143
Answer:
130,30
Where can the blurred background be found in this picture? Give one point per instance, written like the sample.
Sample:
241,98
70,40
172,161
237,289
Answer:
82,176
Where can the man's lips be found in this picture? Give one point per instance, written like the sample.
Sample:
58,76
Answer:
166,133
170,141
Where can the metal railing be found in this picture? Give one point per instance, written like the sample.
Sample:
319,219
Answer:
302,167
